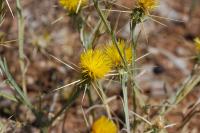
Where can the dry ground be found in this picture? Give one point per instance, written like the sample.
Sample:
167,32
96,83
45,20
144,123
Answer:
166,67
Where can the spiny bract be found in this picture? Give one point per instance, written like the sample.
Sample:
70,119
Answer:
114,55
104,125
94,64
72,5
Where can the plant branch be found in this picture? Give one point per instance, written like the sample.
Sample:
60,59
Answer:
21,44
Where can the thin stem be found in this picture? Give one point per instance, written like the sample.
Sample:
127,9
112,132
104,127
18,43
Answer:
90,96
124,80
20,94
182,92
21,44
94,34
104,99
68,104
111,32
91,103
134,72
44,130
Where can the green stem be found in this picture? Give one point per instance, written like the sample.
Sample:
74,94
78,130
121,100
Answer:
104,99
182,92
91,103
135,90
68,104
21,96
21,44
90,96
44,130
134,72
111,32
94,34
124,80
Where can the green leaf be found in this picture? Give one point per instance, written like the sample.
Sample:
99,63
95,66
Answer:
8,96
21,96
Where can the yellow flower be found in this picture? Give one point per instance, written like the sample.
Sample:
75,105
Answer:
147,5
94,64
114,55
72,5
104,125
197,44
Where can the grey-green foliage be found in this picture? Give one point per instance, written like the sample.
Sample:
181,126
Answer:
20,95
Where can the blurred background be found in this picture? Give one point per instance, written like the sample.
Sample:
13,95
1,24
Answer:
49,31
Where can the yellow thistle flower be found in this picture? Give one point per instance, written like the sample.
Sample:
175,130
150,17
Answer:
94,64
147,5
104,125
114,55
197,44
72,5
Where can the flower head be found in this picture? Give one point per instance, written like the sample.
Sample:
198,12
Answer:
104,125
147,5
72,5
114,55
94,64
197,44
